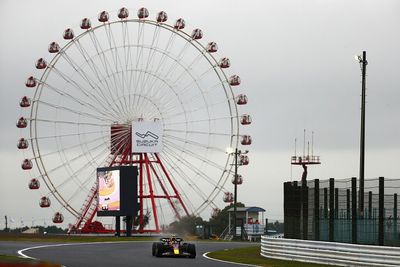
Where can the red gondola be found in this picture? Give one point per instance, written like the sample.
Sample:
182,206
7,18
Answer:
58,217
26,164
54,47
234,80
44,202
22,122
179,24
241,99
245,119
103,16
34,184
22,143
123,13
41,64
215,212
197,34
228,197
25,102
142,13
68,34
162,16
85,24
30,82
224,63
212,47
246,140
244,160
238,180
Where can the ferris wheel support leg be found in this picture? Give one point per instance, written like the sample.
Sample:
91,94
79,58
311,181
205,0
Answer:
153,203
141,194
165,192
172,184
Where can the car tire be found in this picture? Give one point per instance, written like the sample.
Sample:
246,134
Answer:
191,248
153,249
159,249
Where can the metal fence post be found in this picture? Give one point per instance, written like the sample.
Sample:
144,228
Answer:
331,209
304,207
395,217
348,204
381,211
370,205
354,210
316,209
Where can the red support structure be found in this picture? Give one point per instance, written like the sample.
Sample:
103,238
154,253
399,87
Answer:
150,178
172,185
153,202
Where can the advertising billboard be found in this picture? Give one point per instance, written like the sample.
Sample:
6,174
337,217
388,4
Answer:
147,137
108,192
117,191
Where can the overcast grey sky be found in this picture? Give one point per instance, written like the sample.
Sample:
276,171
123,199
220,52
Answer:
296,61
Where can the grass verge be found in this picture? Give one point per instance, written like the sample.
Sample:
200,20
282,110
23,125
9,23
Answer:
251,255
15,261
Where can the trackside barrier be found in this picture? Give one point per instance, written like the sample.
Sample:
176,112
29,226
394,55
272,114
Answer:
340,254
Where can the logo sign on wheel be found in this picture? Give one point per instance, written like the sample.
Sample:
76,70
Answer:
146,137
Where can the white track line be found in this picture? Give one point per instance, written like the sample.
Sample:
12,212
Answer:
21,252
231,262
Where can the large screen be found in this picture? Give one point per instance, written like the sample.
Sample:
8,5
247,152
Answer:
109,194
117,191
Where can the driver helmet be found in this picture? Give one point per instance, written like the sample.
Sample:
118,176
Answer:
173,238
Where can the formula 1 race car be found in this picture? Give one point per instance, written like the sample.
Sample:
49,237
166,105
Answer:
173,246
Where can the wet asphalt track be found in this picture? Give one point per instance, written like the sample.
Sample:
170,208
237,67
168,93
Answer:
114,254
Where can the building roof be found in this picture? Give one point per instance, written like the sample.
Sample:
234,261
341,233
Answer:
248,209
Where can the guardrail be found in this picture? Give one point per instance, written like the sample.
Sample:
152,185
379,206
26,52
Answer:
341,254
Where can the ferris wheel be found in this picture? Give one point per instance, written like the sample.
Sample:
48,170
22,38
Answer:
105,78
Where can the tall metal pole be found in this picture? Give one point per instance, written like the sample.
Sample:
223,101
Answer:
235,194
363,64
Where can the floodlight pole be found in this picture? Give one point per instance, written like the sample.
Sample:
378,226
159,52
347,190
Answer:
235,194
363,63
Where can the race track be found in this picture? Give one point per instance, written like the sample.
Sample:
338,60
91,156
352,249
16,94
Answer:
118,254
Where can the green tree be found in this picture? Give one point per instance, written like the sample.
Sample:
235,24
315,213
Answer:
221,221
186,225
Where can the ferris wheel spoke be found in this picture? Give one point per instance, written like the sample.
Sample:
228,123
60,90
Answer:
63,135
117,62
173,151
87,93
71,122
197,121
74,175
73,98
174,65
105,64
96,71
197,132
71,147
139,51
90,83
74,111
194,61
194,143
141,83
171,159
194,155
193,111
149,83
127,56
